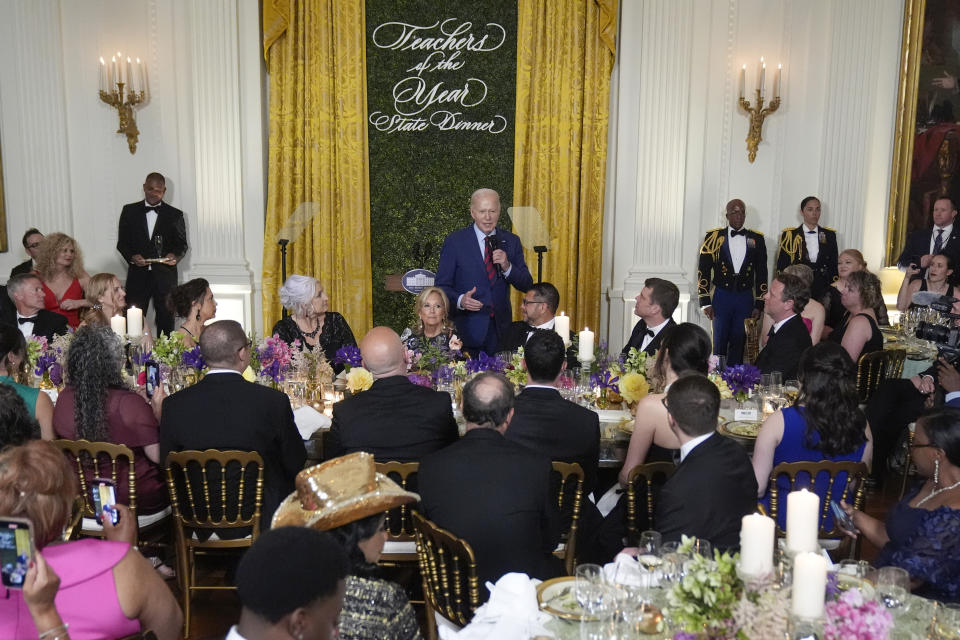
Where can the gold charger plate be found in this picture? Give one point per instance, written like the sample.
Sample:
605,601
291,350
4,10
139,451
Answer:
558,597
846,581
740,428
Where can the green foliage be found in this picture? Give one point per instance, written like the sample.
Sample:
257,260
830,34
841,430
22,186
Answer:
421,181
168,348
705,599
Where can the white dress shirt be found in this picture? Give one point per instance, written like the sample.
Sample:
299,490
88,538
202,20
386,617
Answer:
690,445
647,338
738,249
151,218
777,325
233,634
26,328
812,240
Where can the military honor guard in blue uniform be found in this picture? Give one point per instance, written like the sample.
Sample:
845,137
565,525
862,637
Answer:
733,261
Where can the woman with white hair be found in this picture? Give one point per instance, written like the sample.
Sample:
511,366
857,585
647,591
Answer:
310,320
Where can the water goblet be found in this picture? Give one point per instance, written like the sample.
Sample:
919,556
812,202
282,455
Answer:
649,543
701,547
589,587
893,588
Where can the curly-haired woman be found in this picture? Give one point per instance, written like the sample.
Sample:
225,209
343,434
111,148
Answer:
96,405
193,301
60,265
825,423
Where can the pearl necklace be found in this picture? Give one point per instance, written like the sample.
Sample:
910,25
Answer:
937,492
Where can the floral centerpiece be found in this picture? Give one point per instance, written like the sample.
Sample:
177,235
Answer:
741,379
312,363
168,349
711,603
273,358
483,362
194,359
359,379
515,371
349,356
36,346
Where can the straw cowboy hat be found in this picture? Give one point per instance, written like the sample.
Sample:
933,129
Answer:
340,491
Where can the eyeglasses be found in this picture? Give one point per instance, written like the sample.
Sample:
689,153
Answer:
526,302
247,345
921,446
33,245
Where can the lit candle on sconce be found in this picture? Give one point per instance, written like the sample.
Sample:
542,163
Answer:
778,81
104,86
130,86
120,68
763,78
760,68
142,84
743,80
114,72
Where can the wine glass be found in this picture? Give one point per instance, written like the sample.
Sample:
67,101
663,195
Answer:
649,543
893,587
158,244
701,547
589,587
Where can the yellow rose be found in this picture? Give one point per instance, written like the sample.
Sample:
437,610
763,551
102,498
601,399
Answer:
359,379
633,386
721,384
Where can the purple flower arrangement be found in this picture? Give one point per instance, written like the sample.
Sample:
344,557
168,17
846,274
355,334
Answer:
139,359
421,380
47,363
348,356
741,379
605,379
193,358
485,363
274,356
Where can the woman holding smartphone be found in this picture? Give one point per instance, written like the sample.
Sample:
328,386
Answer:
107,589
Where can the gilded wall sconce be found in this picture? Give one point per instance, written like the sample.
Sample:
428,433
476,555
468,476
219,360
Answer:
123,87
756,111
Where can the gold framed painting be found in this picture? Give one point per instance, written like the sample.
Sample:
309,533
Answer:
926,146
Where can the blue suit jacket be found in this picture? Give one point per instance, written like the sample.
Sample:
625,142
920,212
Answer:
461,269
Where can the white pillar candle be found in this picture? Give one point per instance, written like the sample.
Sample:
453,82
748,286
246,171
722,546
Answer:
103,76
803,518
114,73
778,81
135,322
129,75
119,325
763,79
561,324
585,353
809,586
757,534
141,83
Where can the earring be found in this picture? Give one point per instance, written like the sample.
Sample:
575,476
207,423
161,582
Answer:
198,316
936,473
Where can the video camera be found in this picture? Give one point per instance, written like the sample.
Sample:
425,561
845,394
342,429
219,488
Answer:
947,338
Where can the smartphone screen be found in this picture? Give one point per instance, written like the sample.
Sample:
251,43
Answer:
843,519
16,551
153,376
104,498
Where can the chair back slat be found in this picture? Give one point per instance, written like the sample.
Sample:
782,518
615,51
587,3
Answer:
399,522
449,571
837,480
190,474
643,483
875,367
91,460
569,503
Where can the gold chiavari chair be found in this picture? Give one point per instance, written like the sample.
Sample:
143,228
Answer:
217,493
401,546
875,367
641,482
569,498
449,571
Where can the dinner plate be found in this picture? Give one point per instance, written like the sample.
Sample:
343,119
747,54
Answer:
558,597
740,428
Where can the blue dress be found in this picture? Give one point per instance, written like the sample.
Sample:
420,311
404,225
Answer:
793,448
927,544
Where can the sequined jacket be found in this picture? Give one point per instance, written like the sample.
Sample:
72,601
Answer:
374,609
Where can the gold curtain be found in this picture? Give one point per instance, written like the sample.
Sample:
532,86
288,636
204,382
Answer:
565,55
317,174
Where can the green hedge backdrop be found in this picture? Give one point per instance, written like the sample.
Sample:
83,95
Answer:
421,181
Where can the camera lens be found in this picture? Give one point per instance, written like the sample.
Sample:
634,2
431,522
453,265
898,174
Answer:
932,332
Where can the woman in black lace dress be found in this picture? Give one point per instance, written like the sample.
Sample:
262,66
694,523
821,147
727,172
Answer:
310,321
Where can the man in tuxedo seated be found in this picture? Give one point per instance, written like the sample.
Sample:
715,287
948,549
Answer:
478,265
394,419
224,411
31,243
714,485
492,492
943,238
539,308
655,305
26,292
788,337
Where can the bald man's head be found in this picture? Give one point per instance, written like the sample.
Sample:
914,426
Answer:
488,402
222,344
383,353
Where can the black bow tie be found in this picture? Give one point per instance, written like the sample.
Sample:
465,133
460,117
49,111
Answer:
814,231
737,232
650,333
26,320
152,206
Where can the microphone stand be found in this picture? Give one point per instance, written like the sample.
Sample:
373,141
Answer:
540,249
283,269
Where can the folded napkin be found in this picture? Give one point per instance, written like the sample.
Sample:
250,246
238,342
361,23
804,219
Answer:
626,570
309,420
511,613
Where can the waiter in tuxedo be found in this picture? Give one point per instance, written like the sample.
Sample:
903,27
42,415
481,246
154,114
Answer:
812,245
655,305
734,261
152,238
478,265
943,238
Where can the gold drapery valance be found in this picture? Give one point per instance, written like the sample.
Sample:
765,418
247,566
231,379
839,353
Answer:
317,173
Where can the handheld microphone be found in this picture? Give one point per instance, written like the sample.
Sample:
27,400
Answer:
494,243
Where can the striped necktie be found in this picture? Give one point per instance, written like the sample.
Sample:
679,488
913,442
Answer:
488,261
